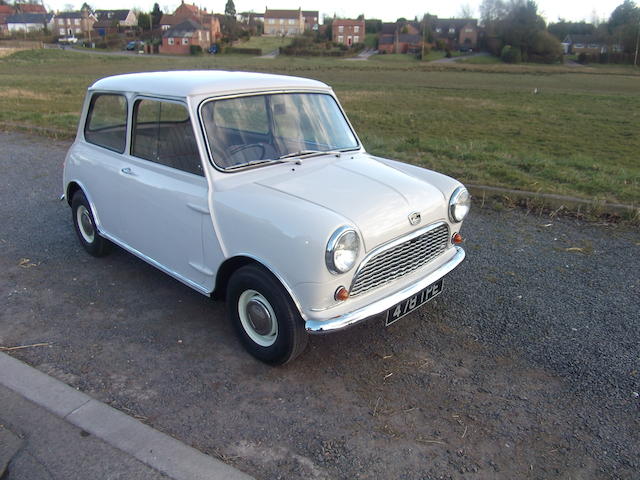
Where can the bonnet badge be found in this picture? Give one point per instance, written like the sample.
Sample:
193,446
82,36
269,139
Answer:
414,218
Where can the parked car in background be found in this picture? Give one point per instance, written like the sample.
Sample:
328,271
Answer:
256,188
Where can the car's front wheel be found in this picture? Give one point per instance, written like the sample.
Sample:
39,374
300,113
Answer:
264,316
85,226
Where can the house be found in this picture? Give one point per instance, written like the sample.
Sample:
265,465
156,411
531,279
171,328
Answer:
188,11
30,8
456,33
178,39
589,44
283,22
111,21
5,12
73,24
401,37
347,32
29,22
311,19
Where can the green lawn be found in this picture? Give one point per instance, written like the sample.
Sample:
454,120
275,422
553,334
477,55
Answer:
266,44
579,135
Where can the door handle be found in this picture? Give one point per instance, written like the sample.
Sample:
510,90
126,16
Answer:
127,171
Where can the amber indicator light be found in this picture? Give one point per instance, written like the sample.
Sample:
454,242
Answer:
341,294
457,238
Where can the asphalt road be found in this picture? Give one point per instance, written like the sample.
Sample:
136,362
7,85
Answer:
527,366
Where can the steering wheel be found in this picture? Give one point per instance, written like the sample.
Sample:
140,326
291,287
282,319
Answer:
235,150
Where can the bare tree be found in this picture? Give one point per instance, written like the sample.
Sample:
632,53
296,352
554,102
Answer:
465,11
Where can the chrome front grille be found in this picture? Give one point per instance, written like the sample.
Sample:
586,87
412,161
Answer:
400,257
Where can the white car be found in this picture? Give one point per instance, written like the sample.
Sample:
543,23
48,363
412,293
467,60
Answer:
255,188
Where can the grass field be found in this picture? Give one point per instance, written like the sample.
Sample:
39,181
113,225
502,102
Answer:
480,123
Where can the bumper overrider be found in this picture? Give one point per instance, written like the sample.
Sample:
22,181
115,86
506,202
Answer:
348,319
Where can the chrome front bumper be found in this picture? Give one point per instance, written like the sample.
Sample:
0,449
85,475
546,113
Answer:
379,306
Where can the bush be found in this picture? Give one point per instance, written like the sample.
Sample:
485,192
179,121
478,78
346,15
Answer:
511,54
195,49
583,58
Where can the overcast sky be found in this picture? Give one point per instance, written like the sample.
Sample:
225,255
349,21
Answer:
551,10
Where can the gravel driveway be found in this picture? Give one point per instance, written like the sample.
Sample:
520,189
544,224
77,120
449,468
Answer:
527,366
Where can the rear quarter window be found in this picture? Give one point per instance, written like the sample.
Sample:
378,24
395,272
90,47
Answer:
106,124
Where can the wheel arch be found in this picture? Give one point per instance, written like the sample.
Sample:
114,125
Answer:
231,265
72,188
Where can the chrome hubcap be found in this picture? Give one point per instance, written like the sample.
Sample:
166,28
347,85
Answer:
258,318
85,224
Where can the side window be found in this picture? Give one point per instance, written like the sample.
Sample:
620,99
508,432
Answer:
162,133
106,124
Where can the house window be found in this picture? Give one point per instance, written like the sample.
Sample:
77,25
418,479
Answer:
438,30
468,30
61,21
76,21
62,31
452,30
356,29
341,28
356,38
272,21
165,27
170,40
77,30
340,39
292,21
185,41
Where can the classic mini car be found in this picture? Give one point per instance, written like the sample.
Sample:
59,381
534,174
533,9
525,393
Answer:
255,188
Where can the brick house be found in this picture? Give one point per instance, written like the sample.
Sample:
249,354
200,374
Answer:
30,8
311,19
5,12
188,11
179,39
111,21
348,32
456,33
283,22
402,37
73,24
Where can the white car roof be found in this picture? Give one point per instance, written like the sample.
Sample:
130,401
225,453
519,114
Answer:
201,82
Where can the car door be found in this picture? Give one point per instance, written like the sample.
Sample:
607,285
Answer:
98,161
164,203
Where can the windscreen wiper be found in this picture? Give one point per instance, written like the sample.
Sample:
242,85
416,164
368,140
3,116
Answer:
308,153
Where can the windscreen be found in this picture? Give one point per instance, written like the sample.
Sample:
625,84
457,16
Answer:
257,129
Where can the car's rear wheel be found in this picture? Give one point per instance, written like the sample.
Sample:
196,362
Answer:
85,225
264,316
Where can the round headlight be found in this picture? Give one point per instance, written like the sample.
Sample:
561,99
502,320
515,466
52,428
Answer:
342,250
459,204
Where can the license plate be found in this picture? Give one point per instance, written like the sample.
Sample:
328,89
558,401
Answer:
408,305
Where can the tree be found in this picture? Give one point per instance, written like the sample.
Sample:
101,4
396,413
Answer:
144,21
518,25
624,25
156,15
562,28
465,11
230,9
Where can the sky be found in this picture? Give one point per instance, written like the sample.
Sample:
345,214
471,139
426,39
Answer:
551,10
